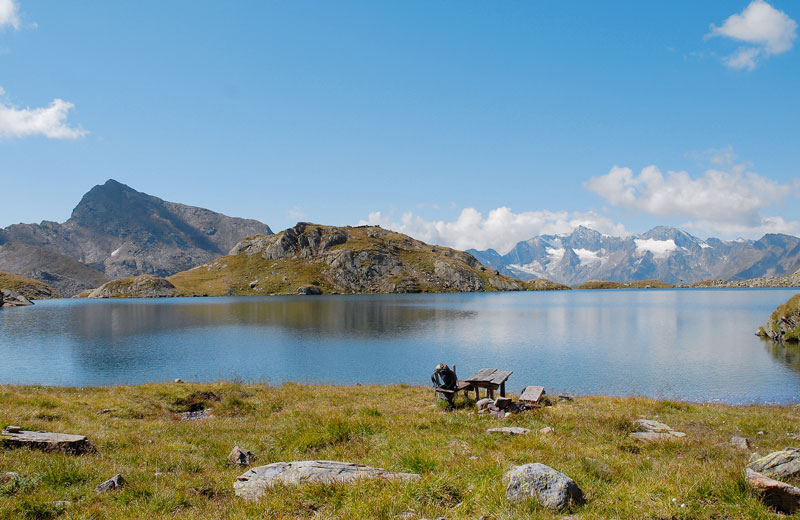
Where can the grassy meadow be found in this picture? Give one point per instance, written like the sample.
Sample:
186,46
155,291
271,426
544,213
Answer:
178,469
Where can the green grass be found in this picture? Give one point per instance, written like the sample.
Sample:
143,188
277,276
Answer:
641,284
178,469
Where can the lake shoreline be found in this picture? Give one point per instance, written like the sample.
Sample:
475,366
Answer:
177,468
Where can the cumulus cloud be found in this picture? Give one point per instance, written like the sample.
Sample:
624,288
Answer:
9,14
500,230
49,121
727,201
765,29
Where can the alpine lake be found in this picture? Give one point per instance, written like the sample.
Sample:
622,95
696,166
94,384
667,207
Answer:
684,344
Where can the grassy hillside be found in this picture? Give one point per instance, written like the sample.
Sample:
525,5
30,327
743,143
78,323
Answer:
364,259
177,469
30,288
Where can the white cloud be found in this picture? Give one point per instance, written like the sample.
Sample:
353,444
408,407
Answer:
501,229
48,121
730,202
9,14
659,248
766,29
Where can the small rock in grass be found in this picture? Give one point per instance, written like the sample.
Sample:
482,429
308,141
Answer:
177,380
45,441
781,496
13,429
484,403
105,411
503,402
547,430
114,482
241,457
8,476
196,415
510,430
553,489
649,425
62,503
742,443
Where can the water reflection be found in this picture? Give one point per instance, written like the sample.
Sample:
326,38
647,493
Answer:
695,345
788,353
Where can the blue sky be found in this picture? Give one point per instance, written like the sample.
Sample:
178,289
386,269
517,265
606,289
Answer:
470,124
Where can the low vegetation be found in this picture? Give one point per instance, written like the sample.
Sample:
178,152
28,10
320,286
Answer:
28,287
178,469
641,284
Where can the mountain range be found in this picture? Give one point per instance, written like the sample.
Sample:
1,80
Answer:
663,253
116,231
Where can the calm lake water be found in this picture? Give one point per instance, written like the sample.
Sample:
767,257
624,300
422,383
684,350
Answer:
695,345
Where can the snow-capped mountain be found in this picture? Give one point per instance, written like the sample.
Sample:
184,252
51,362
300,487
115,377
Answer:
663,253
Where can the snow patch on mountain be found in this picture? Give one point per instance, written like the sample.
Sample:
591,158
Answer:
659,248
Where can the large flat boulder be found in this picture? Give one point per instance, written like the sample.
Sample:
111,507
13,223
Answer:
778,464
257,481
654,431
780,495
13,437
552,489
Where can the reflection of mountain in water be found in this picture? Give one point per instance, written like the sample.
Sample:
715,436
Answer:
788,354
326,317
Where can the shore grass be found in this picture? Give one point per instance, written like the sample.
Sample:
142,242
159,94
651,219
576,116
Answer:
178,469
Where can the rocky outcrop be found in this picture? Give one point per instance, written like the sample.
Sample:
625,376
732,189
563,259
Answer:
13,299
784,323
552,489
122,232
256,482
144,286
364,259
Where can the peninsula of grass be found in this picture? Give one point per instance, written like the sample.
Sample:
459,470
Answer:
640,284
178,469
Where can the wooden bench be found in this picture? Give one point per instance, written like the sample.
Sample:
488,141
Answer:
532,394
491,379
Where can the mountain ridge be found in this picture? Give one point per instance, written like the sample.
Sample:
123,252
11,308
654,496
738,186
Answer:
118,232
663,253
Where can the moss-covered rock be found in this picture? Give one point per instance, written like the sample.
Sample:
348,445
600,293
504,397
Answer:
784,323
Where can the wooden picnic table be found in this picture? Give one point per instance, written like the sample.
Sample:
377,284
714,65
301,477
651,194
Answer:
491,379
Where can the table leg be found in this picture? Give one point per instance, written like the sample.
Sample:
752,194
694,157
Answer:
491,393
503,389
477,394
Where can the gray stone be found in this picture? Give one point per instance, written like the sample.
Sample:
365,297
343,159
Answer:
742,443
654,431
658,436
46,441
257,481
111,484
552,489
241,457
62,503
196,415
142,286
484,403
309,290
649,425
781,496
547,430
13,299
778,464
510,430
